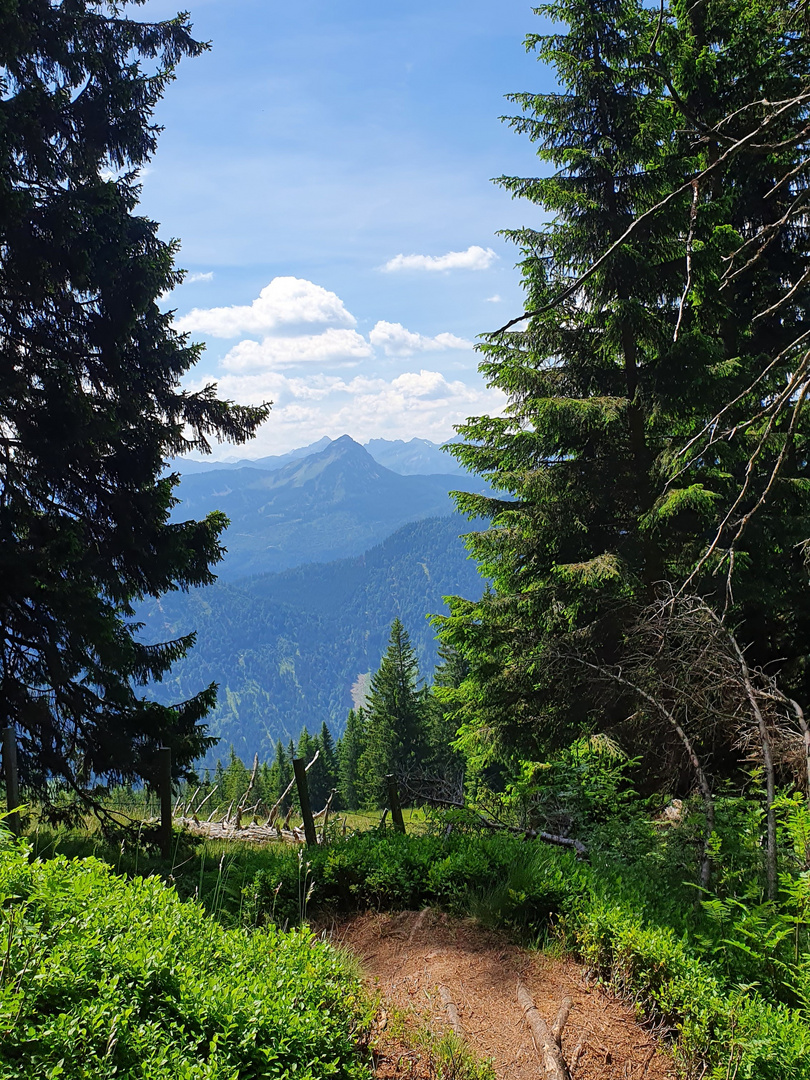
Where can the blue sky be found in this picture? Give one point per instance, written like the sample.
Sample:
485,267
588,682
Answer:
305,160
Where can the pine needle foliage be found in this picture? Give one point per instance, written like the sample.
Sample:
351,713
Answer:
642,323
91,401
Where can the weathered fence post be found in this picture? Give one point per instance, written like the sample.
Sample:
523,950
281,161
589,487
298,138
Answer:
300,770
165,790
12,778
394,803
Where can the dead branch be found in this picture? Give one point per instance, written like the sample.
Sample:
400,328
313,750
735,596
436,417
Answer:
736,147
767,760
547,1041
243,800
277,804
702,779
690,239
326,810
207,797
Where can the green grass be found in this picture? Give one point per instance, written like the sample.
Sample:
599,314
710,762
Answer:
214,872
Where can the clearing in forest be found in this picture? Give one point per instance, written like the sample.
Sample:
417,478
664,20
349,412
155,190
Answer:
418,961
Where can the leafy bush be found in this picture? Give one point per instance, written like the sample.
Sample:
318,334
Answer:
103,977
389,870
733,1028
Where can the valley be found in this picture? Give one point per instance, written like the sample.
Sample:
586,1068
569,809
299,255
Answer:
286,647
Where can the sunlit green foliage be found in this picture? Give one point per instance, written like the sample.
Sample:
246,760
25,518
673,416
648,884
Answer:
103,977
622,360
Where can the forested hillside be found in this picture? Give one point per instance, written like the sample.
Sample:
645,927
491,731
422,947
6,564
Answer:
286,648
331,504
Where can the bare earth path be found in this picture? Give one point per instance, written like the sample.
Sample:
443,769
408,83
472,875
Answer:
407,956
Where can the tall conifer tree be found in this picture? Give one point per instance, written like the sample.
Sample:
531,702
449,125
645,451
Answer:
630,346
349,753
396,707
91,403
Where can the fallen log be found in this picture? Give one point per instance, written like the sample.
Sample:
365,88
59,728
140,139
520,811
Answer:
547,1040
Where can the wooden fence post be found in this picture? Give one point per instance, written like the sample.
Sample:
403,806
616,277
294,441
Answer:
165,790
394,803
300,770
12,778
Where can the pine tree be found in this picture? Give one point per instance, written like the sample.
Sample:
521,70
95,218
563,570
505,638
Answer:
280,775
264,786
624,358
235,778
319,779
329,754
396,708
91,404
349,753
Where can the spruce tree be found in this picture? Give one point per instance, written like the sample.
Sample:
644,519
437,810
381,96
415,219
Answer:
235,778
91,402
349,753
329,754
280,774
319,779
396,708
633,339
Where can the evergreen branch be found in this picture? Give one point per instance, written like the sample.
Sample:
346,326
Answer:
745,142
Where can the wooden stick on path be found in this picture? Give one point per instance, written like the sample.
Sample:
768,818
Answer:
452,1013
547,1040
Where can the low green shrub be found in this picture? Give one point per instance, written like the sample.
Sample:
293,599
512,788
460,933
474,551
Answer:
385,870
102,977
606,913
733,1028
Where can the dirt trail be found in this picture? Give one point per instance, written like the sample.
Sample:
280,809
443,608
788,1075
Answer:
409,955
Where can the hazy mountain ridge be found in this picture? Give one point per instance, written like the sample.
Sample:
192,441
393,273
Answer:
416,456
335,503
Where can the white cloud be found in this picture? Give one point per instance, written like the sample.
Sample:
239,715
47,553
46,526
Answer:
425,404
331,347
395,340
190,279
286,303
493,299
474,258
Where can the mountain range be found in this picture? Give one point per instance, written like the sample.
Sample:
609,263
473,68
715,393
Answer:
288,649
416,456
326,546
331,504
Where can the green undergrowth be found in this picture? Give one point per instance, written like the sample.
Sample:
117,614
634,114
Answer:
104,977
734,993
728,971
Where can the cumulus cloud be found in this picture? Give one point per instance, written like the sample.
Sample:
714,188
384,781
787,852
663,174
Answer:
190,279
494,299
418,403
287,303
395,340
474,258
331,347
